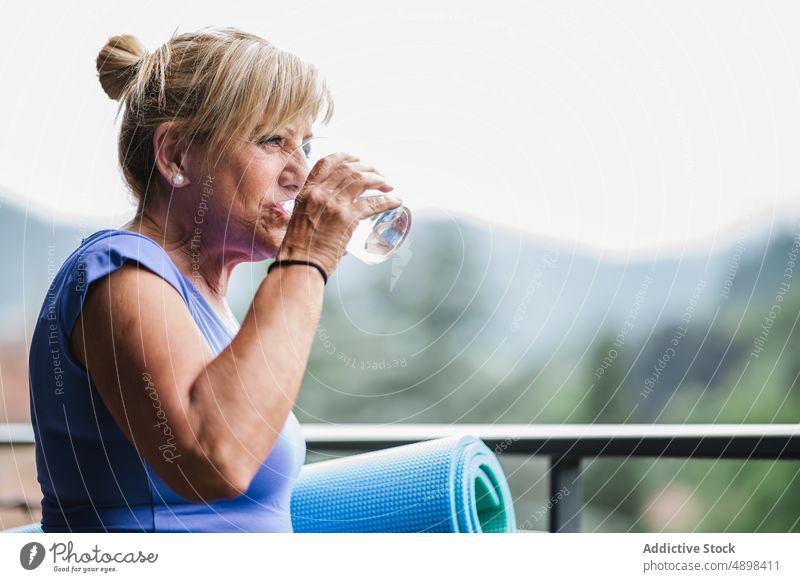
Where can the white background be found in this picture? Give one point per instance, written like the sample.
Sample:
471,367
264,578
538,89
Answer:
625,126
405,557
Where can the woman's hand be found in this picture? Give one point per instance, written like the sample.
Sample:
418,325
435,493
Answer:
325,212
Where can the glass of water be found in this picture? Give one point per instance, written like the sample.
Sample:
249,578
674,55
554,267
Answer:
376,238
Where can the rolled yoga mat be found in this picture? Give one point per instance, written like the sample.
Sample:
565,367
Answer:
452,484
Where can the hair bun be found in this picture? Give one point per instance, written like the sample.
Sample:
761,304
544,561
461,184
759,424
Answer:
117,62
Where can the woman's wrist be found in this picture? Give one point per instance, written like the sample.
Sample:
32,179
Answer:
283,263
325,258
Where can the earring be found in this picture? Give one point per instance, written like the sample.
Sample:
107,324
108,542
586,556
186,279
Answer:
177,179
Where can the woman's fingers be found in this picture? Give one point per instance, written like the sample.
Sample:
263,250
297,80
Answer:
327,210
355,182
372,205
361,167
327,166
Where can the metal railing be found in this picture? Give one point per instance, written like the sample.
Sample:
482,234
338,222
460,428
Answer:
564,445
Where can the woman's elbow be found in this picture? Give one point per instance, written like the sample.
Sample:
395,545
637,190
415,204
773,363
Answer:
210,471
233,483
221,466
213,485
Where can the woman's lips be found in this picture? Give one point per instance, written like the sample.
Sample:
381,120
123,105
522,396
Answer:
285,207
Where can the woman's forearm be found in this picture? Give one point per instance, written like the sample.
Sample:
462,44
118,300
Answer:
240,401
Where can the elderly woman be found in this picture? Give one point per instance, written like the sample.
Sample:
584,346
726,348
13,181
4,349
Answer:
153,410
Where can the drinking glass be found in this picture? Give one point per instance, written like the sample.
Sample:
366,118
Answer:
377,237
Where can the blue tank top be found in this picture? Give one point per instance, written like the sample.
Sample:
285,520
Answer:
92,477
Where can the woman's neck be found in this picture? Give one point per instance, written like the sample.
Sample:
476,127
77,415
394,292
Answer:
194,249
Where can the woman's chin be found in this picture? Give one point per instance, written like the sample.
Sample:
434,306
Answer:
267,239
272,246
266,250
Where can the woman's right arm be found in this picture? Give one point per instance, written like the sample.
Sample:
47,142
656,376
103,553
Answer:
205,424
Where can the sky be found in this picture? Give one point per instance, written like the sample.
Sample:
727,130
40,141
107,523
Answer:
627,127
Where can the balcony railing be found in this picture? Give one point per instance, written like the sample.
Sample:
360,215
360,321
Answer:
564,445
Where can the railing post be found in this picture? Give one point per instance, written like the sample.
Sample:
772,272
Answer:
566,494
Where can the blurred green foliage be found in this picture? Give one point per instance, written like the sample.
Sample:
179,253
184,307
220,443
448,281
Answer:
419,354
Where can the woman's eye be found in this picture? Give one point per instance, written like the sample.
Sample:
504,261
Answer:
270,140
307,149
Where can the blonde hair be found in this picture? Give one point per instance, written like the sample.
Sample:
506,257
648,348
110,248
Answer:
218,86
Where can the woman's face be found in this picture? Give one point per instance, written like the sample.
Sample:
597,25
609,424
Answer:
243,190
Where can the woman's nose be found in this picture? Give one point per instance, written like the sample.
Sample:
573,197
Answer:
294,173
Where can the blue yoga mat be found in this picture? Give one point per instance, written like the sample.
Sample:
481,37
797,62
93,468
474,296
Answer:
453,484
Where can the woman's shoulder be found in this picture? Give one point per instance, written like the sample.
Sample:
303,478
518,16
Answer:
107,250
103,253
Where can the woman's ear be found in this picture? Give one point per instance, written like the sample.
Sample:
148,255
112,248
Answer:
169,154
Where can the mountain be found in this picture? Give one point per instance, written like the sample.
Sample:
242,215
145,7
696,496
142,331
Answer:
544,296
482,290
